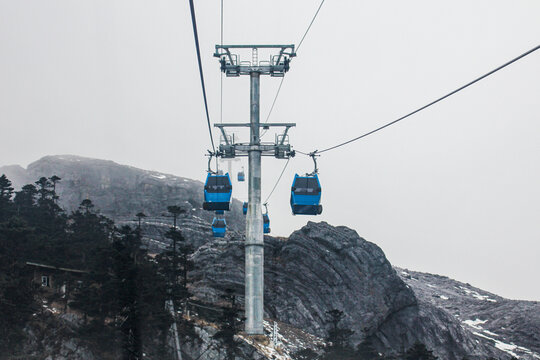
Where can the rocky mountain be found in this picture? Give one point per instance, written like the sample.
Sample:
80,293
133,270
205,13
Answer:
121,191
321,267
512,326
316,269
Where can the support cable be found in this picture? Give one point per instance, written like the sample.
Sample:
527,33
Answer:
273,103
277,182
309,27
283,78
425,106
195,34
221,72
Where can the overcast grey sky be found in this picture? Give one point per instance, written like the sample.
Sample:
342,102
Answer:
453,190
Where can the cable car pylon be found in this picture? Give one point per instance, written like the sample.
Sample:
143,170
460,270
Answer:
277,66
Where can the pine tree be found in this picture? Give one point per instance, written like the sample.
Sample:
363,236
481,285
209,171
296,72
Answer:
54,179
16,292
140,216
25,200
89,247
88,231
366,350
127,250
6,192
122,291
48,215
338,337
44,189
419,351
153,292
185,251
305,354
46,194
229,324
176,263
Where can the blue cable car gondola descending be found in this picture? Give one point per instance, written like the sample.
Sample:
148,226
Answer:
219,227
244,207
306,195
217,192
241,175
266,224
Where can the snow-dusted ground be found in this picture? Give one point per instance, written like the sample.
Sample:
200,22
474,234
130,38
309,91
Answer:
476,295
289,341
510,326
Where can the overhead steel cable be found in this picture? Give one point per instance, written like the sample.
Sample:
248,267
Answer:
221,37
283,78
272,107
304,153
221,81
195,34
425,106
277,182
309,27
275,98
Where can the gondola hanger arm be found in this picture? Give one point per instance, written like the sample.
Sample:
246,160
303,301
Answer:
210,156
313,156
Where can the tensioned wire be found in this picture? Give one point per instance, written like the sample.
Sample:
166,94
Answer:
425,106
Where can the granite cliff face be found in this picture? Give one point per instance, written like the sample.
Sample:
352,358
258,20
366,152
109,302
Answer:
321,267
317,268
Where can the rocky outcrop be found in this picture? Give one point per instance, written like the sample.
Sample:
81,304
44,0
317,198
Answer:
208,348
50,336
320,268
509,327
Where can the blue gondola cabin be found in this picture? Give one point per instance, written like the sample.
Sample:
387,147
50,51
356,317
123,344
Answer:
241,176
306,195
266,224
219,227
217,192
244,207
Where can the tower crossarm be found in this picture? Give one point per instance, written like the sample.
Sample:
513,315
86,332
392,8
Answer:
263,125
277,65
279,149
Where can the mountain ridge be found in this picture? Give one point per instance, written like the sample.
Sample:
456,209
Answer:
391,306
491,317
